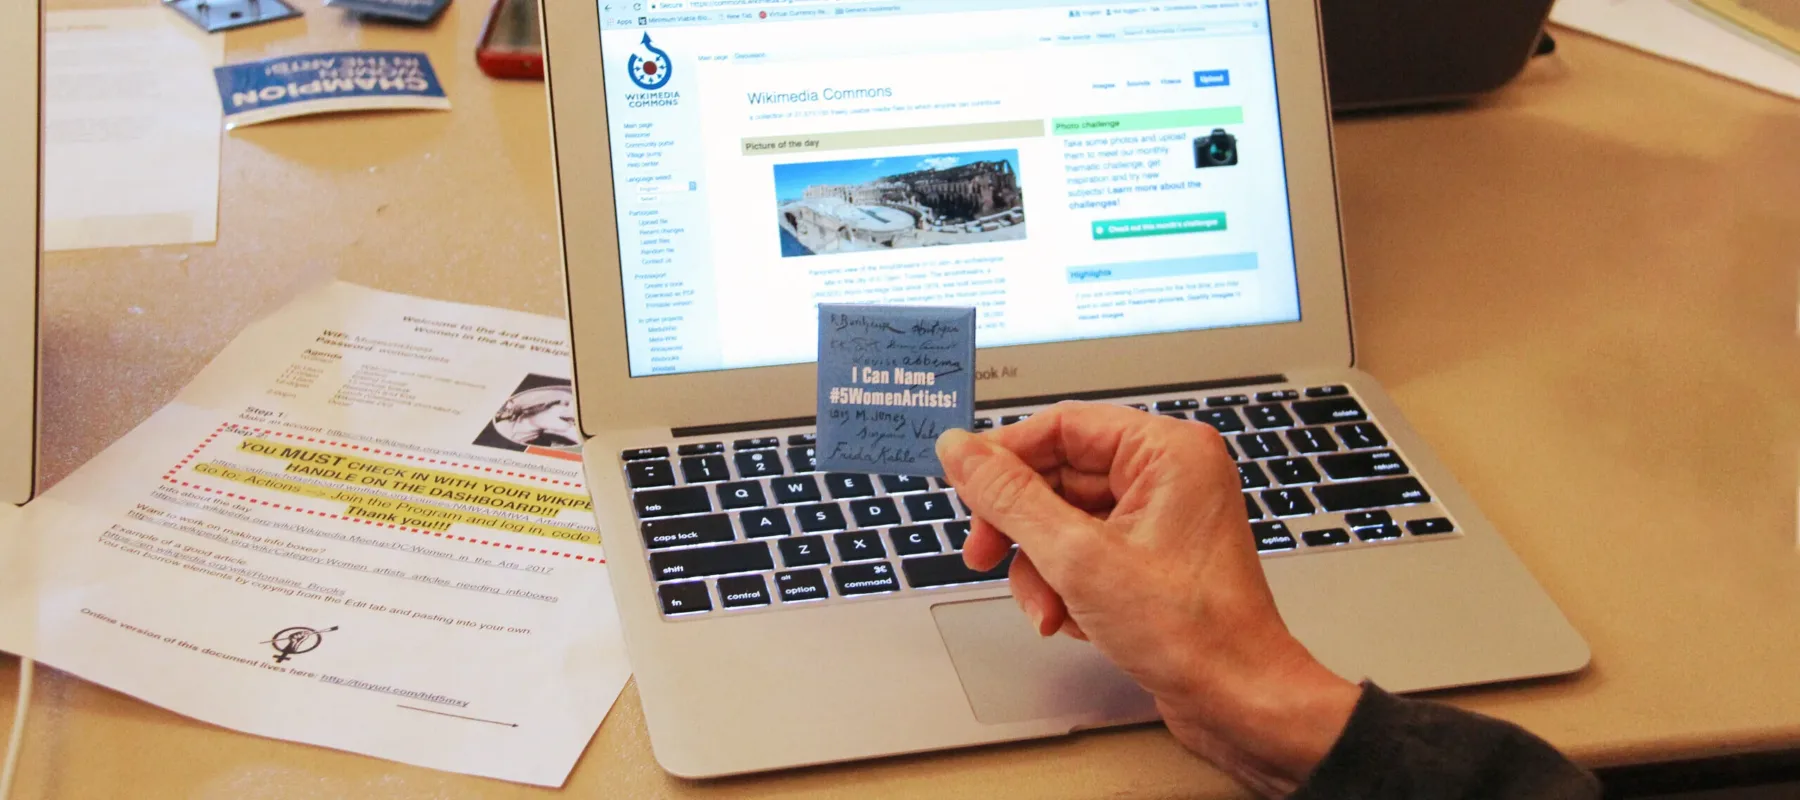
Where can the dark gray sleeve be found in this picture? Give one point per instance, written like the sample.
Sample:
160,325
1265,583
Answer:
1399,748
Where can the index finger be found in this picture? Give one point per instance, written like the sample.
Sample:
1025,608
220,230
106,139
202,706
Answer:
1084,436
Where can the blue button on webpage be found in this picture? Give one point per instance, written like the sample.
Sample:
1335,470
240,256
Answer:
1212,77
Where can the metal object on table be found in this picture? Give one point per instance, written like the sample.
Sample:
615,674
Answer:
214,16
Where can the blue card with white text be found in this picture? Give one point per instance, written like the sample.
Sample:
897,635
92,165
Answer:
891,378
322,83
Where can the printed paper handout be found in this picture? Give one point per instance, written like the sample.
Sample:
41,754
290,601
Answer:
363,526
891,378
131,130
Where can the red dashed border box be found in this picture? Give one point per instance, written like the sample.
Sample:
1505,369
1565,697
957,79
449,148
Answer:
173,471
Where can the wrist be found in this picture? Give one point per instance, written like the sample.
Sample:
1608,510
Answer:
1271,725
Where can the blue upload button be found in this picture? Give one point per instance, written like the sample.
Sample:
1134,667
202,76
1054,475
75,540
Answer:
1212,77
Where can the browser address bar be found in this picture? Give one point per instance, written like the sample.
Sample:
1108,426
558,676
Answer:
695,5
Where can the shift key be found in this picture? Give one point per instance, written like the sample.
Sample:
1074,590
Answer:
700,562
1370,494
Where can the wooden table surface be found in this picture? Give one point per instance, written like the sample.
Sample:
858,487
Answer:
1582,290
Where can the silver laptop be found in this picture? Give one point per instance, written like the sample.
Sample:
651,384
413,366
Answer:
1139,198
19,85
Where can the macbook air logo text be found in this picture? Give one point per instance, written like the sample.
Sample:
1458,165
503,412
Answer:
996,373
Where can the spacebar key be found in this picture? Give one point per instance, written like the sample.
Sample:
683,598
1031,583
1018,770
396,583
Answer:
924,573
1370,494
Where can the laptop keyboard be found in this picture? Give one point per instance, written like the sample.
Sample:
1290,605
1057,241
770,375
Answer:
736,525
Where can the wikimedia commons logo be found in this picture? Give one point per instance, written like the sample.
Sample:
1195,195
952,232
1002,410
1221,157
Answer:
290,642
652,73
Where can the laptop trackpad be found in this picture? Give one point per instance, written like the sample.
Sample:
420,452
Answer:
1011,674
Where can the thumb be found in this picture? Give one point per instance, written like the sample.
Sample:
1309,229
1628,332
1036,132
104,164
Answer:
1007,493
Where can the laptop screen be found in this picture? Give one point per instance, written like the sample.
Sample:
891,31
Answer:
1074,171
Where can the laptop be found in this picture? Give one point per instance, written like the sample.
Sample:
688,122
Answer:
19,87
1138,197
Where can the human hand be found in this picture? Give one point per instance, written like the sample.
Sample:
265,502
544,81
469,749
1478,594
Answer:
1132,535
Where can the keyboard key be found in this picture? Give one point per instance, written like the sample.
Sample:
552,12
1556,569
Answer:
1335,409
798,489
700,562
1328,391
860,546
670,502
1378,533
849,484
1014,419
1363,519
1351,466
804,551
680,531
858,579
803,459
801,585
949,570
1312,440
1429,527
1138,406
929,507
1252,476
1269,416
1277,396
915,540
762,443
803,439
744,591
1231,451
704,449
984,423
1330,537
820,518
643,453
1182,415
649,474
899,484
1228,400
704,469
1251,508
1262,445
1272,537
1185,404
757,463
1361,435
1293,470
764,523
1287,502
1371,494
1226,420
875,512
743,494
957,533
684,598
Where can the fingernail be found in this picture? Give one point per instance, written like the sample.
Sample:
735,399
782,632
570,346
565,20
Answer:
1036,614
959,451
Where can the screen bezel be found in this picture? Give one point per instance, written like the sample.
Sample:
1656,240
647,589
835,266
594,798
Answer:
610,399
21,80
